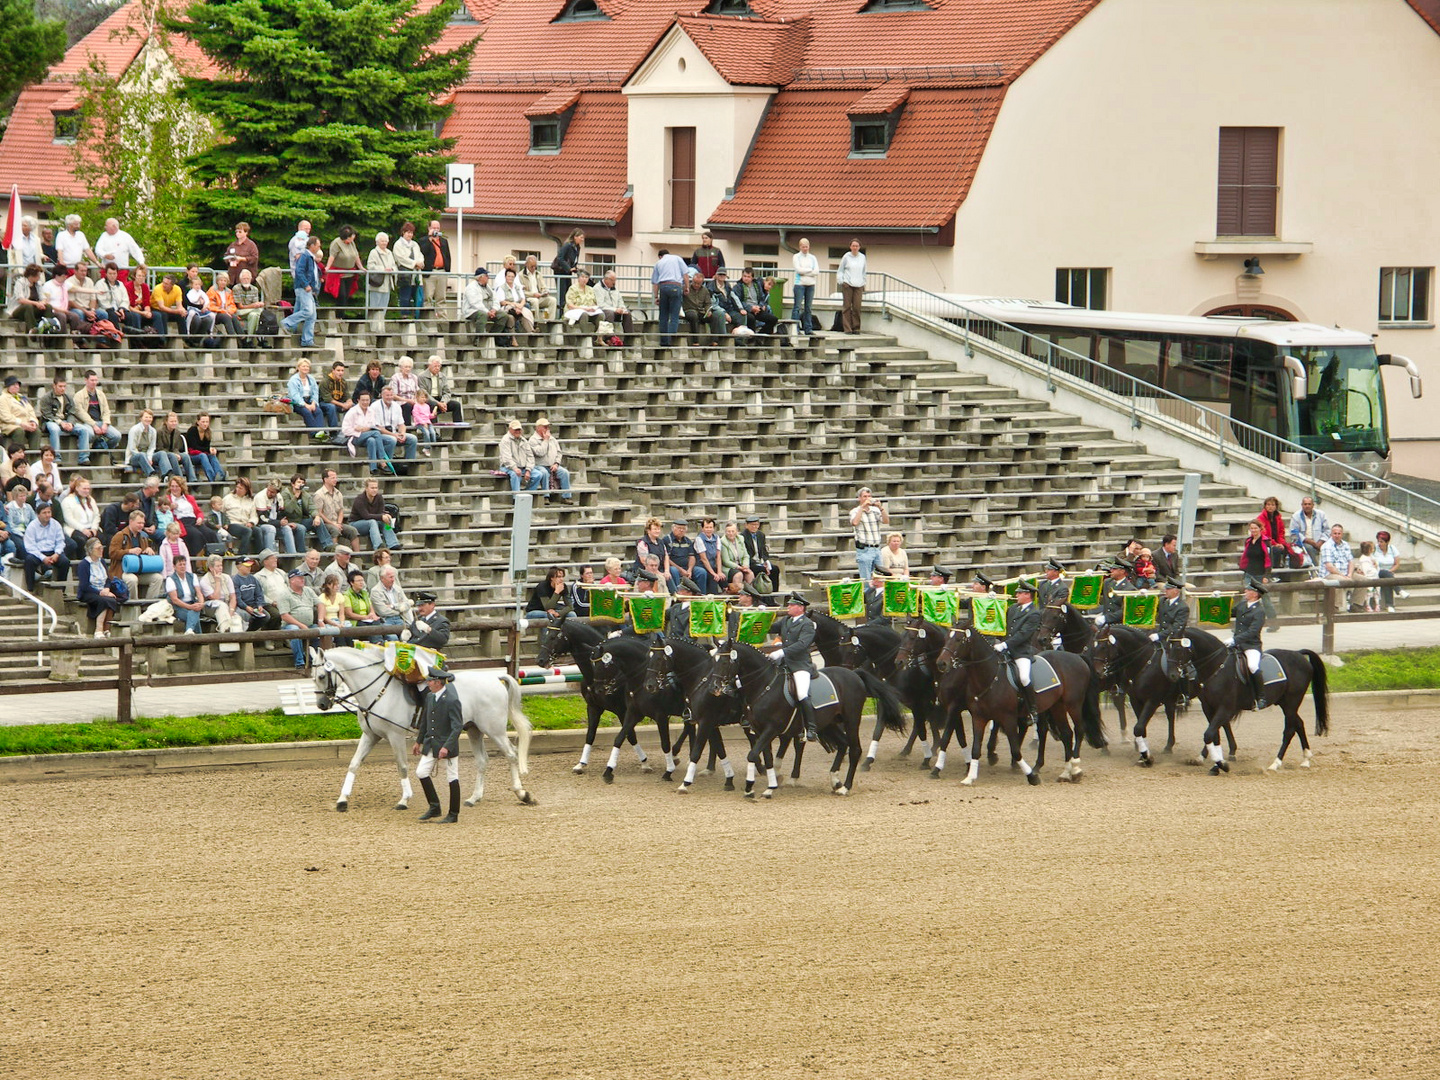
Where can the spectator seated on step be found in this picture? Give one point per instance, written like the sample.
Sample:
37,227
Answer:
186,594
755,303
1338,563
480,307
539,296
296,607
305,400
582,309
548,596
371,519
612,305
697,309
517,459
45,556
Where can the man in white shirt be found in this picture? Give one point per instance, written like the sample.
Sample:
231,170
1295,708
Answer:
851,277
1338,562
611,303
71,245
385,414
117,248
187,594
24,251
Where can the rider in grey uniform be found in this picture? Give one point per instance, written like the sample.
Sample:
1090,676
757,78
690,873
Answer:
1054,589
439,740
797,633
678,614
1115,586
1173,617
430,628
1249,621
875,595
1021,624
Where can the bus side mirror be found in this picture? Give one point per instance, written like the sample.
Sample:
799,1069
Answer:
1299,385
1396,360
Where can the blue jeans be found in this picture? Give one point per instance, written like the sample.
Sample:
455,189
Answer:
671,297
701,577
191,619
314,418
378,535
562,477
210,465
324,537
179,463
804,295
391,620
537,477
865,560
292,537
297,650
162,464
303,317
82,432
375,446
410,296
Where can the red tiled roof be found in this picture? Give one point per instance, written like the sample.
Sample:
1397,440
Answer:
586,181
1429,10
920,183
883,99
29,154
557,101
750,52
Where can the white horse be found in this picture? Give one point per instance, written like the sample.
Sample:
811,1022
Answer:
357,679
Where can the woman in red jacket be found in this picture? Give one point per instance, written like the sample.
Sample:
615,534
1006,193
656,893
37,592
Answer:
1272,528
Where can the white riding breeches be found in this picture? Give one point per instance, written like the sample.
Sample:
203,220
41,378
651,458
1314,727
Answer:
802,685
427,767
1252,660
1022,669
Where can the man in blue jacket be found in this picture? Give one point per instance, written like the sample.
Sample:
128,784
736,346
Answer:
307,287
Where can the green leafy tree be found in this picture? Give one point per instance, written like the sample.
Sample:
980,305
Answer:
136,136
30,46
327,110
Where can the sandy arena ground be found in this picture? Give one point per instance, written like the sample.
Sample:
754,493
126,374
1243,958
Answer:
1156,923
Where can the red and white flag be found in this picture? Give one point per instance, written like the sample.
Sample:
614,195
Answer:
12,219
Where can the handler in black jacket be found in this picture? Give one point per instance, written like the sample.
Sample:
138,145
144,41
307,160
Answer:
1022,622
1249,621
439,739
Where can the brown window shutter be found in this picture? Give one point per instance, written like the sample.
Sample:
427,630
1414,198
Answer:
1248,188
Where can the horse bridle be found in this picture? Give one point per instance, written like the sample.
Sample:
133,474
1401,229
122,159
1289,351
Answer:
1115,666
335,695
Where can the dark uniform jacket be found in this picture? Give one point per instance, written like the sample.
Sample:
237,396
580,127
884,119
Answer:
1249,621
1053,592
436,637
796,638
874,604
1113,607
1021,625
1173,617
1165,564
678,619
441,721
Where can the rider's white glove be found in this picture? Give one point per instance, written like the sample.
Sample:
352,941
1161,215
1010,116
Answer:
422,626
405,634
778,655
1230,643
1099,620
1001,646
1154,637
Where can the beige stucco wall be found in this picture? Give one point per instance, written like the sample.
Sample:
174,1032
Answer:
678,87
1105,155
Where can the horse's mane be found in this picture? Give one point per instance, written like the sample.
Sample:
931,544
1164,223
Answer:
582,631
689,643
818,615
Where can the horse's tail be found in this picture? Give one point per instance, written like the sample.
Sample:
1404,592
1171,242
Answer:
519,721
1092,718
1320,691
887,701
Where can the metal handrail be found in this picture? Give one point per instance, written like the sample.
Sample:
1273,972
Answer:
24,594
898,294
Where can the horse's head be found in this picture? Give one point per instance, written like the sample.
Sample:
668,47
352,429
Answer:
727,666
1179,650
327,682
1105,655
659,668
607,668
852,652
1052,621
553,643
912,636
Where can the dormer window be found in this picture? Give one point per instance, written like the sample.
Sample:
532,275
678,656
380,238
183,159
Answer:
549,117
67,126
873,120
729,7
897,5
462,16
581,11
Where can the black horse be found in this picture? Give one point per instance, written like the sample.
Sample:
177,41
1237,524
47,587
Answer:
1225,693
875,647
566,635
621,663
1078,634
762,688
992,699
1126,658
710,702
915,678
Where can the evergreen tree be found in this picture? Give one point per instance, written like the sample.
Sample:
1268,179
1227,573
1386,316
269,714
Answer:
28,45
327,111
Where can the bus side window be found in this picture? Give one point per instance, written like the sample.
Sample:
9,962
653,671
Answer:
1198,369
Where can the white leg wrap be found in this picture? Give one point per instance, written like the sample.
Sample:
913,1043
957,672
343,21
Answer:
640,754
1025,767
973,772
1306,763
1275,765
1141,745
726,768
940,760
925,747
690,774
750,772
874,748
585,754
406,789
614,757
349,785
770,778
669,762
1217,753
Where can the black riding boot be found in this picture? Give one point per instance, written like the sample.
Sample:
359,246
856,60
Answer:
1258,686
432,797
1027,705
812,724
454,815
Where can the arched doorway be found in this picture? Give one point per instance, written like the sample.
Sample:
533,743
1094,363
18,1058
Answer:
1255,311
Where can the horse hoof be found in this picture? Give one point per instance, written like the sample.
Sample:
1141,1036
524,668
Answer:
768,793
790,781
707,772
925,764
904,753
469,802
1305,764
578,770
645,766
749,794
609,776
1105,750
1274,766
1013,765
967,782
342,806
993,759
729,783
1063,778
526,799
1169,749
402,806
682,789
668,775
1145,761
1033,779
865,765
842,791
934,774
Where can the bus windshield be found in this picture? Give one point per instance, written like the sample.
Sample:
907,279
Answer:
1345,405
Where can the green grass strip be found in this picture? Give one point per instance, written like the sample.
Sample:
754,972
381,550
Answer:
151,733
1390,669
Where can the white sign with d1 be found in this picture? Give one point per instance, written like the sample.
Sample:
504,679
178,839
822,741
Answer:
460,185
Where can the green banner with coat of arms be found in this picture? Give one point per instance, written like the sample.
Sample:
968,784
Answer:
647,612
1086,591
898,604
1141,609
754,626
1011,586
707,618
607,604
847,599
937,606
990,614
1216,610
